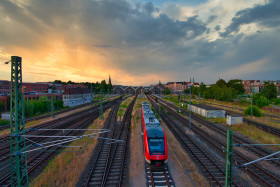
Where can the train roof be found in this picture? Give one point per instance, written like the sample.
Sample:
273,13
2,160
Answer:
154,131
150,119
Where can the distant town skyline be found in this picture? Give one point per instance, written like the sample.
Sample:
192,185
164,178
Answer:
139,42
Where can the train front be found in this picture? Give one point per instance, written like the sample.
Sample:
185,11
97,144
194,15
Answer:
156,151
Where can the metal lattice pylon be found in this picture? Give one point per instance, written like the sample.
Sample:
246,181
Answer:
19,172
229,159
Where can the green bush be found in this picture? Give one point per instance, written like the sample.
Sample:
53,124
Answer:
262,101
4,122
58,104
276,101
256,111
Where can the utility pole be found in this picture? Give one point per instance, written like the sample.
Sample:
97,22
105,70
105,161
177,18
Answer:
184,94
252,95
229,159
190,107
159,104
52,104
101,105
18,162
91,95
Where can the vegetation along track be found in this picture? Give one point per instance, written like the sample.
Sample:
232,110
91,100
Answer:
37,158
269,129
255,170
241,110
108,166
215,173
258,150
62,122
49,115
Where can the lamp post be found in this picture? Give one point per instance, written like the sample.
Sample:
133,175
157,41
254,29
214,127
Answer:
52,103
252,95
183,94
159,102
190,108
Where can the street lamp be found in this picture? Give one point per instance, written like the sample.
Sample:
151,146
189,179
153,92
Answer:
190,107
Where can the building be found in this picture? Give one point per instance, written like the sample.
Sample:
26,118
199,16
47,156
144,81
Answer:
76,96
258,85
179,87
109,82
4,87
27,87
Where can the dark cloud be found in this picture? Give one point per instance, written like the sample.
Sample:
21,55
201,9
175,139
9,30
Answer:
267,15
217,28
212,18
140,41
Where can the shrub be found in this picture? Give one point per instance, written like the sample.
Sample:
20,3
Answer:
256,111
262,101
4,122
276,101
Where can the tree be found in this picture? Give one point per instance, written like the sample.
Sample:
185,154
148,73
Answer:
237,85
103,86
262,101
110,87
202,88
70,82
221,83
269,91
167,91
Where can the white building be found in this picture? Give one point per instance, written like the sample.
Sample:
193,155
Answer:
76,96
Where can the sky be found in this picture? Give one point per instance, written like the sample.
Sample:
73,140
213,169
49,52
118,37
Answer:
139,42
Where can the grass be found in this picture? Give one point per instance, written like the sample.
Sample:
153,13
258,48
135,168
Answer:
219,120
124,106
258,135
66,168
4,122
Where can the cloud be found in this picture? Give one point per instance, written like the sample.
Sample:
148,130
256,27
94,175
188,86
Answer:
267,15
137,43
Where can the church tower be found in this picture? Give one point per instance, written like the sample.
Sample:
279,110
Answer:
109,80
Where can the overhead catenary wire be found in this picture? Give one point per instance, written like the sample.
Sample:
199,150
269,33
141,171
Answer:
36,136
263,158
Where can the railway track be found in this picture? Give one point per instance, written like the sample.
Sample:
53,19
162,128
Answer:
258,150
3,127
108,166
262,174
36,159
158,178
269,129
214,172
57,123
239,109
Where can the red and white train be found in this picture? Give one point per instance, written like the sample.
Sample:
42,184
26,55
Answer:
154,139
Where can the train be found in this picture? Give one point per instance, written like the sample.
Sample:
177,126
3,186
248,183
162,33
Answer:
155,144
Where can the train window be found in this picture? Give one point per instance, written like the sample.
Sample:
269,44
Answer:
156,146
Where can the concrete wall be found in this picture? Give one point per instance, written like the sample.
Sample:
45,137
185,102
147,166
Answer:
6,116
208,113
232,120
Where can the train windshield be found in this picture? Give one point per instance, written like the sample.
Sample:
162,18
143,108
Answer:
156,146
